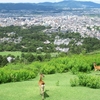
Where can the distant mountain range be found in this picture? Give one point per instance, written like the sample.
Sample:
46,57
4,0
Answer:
48,6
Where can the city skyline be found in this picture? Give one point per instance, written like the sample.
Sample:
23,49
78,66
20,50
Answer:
37,1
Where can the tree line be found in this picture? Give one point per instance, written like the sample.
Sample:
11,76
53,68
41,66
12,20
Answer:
25,58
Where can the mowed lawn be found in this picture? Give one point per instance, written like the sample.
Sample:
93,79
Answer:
54,90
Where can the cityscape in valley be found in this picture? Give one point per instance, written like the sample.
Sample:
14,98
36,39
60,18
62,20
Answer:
63,17
84,24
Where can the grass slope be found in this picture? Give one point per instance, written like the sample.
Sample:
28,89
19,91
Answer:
29,90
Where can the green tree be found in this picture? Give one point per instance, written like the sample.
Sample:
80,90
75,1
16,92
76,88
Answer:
91,44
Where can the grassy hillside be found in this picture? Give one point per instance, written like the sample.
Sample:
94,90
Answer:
29,90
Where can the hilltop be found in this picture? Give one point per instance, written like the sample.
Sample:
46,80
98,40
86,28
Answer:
48,6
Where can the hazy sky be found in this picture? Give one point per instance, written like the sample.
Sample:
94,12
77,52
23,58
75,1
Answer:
36,1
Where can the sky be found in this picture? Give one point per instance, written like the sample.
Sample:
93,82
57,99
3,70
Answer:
37,1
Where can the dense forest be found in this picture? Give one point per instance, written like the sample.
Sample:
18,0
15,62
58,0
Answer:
32,39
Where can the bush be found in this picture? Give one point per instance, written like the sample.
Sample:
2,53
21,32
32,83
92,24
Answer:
74,82
60,68
91,81
48,69
16,75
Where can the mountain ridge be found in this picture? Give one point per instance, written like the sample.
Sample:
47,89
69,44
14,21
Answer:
47,6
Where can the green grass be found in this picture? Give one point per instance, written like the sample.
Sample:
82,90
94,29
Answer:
29,90
15,53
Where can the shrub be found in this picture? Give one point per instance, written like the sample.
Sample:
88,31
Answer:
57,83
48,69
74,82
75,70
16,75
60,68
91,81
